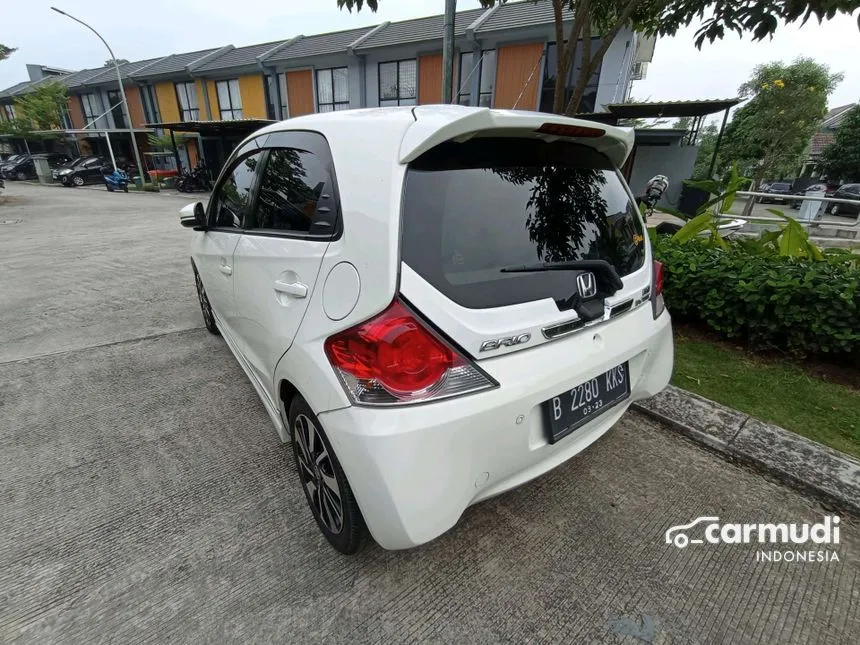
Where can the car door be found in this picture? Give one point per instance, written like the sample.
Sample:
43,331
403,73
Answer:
213,251
278,258
91,170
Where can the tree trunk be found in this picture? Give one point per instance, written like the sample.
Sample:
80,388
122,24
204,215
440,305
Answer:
589,66
757,177
565,49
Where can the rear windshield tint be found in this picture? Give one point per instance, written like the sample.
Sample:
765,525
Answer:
472,208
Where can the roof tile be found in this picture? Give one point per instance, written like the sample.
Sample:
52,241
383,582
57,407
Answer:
420,29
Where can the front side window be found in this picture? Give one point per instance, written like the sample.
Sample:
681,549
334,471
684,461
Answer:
150,104
474,208
333,89
92,108
485,69
232,199
186,95
398,82
282,90
295,195
589,98
115,101
229,100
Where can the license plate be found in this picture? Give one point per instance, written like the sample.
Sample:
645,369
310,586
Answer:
570,410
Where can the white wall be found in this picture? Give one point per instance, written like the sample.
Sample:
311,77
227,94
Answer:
615,71
676,162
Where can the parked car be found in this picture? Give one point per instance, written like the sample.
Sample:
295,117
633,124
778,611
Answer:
87,170
25,167
10,162
846,191
779,192
445,332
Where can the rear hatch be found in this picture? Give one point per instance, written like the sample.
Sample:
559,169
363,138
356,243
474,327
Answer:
511,242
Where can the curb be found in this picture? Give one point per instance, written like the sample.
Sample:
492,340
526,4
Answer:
804,464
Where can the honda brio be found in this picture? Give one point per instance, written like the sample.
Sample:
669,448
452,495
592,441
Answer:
435,304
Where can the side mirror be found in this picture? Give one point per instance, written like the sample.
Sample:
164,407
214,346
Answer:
193,216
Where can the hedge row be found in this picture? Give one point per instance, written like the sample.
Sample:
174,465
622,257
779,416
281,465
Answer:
795,305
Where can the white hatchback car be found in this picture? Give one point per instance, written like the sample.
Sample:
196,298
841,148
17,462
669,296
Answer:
435,304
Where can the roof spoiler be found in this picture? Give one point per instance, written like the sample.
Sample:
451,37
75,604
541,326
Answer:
436,124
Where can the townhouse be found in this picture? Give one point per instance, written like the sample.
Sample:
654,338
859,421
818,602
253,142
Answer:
505,58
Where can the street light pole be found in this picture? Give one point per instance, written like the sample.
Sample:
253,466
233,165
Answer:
126,111
448,51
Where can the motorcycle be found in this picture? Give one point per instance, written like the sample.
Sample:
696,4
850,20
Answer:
197,179
115,179
654,190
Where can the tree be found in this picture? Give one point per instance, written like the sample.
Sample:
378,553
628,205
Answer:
6,52
119,61
707,143
841,159
42,109
605,18
787,102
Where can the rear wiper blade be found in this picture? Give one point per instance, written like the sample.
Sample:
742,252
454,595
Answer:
600,267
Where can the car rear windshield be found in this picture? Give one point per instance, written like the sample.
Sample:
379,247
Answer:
473,208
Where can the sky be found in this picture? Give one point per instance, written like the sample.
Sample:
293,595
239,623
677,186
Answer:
160,27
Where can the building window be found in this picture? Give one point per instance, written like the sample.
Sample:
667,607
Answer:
150,104
67,118
91,106
9,111
284,98
115,101
398,82
332,89
485,69
589,98
229,100
186,93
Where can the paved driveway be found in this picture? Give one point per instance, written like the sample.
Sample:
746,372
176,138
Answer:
145,498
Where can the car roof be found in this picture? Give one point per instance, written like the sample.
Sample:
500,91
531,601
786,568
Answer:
420,128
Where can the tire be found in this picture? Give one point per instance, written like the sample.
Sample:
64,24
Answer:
834,210
324,482
667,228
77,180
205,307
125,188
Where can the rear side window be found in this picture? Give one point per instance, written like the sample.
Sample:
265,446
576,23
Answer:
470,209
295,195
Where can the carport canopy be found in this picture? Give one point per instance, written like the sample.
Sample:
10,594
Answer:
697,110
241,127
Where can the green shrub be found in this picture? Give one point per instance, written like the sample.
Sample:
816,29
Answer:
794,304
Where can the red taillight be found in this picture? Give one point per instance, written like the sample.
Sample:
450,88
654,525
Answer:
395,358
657,304
658,278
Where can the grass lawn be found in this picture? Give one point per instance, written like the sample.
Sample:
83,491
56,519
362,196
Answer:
779,392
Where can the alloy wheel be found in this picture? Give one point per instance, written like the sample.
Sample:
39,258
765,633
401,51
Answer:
316,472
21,176
77,180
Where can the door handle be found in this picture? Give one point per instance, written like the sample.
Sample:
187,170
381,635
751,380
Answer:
223,268
295,289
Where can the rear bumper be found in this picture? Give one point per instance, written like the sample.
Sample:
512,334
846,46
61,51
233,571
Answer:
415,469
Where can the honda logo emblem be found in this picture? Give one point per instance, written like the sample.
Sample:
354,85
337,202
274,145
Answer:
586,284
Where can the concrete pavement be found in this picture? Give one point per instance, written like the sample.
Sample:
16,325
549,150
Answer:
145,498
